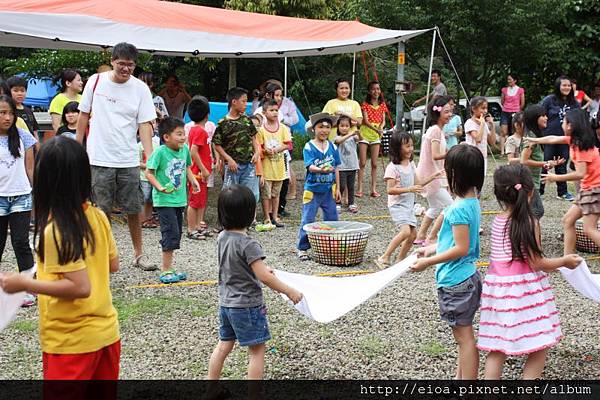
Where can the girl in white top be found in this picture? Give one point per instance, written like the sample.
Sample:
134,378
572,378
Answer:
480,130
16,175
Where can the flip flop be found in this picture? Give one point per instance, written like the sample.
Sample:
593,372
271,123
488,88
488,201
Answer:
303,256
375,194
419,242
359,194
381,263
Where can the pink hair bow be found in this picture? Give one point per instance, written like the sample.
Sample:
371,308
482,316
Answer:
437,108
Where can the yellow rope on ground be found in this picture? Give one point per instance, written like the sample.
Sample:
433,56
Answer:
338,273
384,217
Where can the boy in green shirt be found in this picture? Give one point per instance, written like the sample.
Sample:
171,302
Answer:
167,170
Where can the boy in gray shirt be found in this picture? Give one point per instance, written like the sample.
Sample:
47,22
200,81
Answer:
242,313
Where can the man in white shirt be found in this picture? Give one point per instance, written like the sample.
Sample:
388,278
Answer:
121,106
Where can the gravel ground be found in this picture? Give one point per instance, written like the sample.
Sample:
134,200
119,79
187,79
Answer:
169,333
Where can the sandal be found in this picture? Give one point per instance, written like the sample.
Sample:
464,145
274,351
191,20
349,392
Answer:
303,255
181,275
169,276
359,194
419,242
375,194
381,263
149,224
196,235
204,230
141,262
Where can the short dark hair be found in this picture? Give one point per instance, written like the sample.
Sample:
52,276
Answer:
464,166
476,101
341,80
168,125
269,103
235,93
518,118
16,81
125,51
198,108
70,107
436,71
236,206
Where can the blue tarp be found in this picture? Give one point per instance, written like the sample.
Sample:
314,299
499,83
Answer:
40,92
219,110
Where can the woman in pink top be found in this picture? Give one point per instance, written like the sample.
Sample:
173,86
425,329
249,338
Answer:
431,160
513,101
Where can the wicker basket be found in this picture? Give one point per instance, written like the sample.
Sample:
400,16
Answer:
340,243
582,242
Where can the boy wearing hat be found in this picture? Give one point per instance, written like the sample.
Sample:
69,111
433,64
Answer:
321,160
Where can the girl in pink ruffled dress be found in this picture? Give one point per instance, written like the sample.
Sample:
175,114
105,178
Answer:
518,312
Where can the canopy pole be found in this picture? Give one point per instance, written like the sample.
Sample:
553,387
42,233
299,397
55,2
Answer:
353,74
400,78
232,73
285,76
430,69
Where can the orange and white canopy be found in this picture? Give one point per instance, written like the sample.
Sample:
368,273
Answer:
177,29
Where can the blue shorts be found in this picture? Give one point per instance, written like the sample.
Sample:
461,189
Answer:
506,118
245,176
248,326
15,204
171,227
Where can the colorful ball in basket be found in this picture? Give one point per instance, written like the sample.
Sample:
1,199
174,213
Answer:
582,242
339,243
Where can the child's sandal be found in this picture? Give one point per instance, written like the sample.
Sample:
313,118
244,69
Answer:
168,277
195,236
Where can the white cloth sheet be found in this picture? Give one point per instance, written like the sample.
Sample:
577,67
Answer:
327,299
10,304
583,281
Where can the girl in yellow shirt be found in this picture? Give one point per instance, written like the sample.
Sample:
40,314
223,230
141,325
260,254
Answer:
79,329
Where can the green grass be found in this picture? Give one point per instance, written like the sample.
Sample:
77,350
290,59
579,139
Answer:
129,309
433,349
371,346
25,326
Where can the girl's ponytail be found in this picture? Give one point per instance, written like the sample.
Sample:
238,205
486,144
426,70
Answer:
513,186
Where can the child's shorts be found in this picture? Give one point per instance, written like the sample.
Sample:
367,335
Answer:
459,303
198,200
171,227
15,204
248,326
102,364
146,191
271,189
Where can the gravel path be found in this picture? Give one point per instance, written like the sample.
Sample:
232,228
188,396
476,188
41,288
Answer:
170,332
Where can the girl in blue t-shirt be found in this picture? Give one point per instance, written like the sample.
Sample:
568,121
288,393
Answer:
321,160
457,250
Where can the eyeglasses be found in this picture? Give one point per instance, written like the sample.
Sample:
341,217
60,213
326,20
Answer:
124,65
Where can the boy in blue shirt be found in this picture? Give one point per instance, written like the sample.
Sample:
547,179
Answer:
321,160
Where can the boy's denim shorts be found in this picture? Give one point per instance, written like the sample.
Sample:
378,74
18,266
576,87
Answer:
248,326
459,303
15,204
